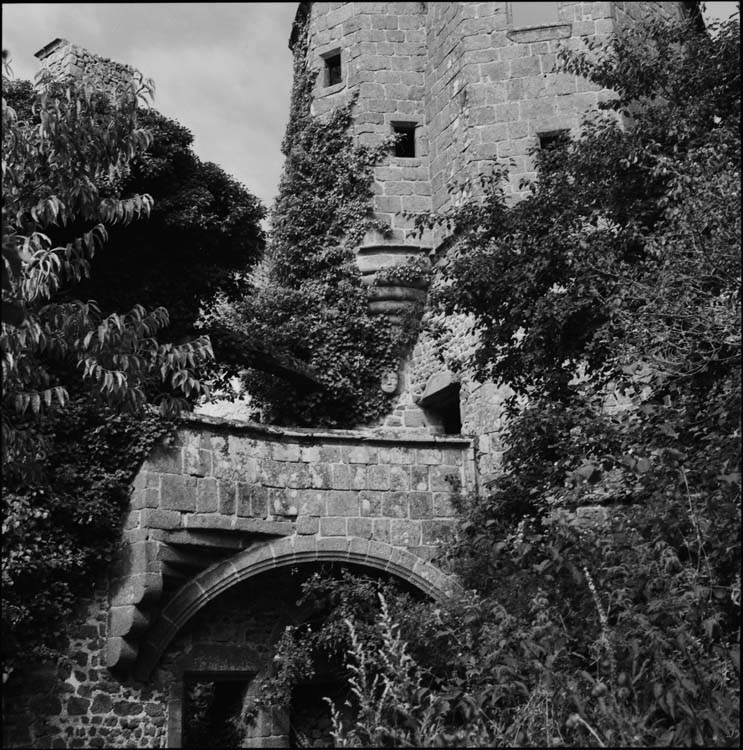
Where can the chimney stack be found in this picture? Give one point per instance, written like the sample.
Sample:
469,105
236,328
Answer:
66,60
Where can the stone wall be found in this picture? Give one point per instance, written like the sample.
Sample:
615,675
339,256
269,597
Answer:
234,636
63,59
230,476
437,361
224,487
480,88
224,514
383,60
80,703
492,89
229,640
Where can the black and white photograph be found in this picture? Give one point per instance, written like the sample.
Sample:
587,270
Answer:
371,374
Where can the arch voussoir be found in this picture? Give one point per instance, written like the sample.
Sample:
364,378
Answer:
288,551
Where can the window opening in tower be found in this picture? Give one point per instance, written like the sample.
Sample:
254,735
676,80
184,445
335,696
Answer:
553,139
405,143
333,69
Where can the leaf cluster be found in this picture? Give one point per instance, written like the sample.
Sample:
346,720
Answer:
71,371
62,529
202,227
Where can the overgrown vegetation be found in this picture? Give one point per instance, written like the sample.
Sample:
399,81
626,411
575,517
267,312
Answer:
309,301
203,227
604,565
61,530
80,378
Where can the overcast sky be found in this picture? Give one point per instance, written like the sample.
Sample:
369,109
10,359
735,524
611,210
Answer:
223,70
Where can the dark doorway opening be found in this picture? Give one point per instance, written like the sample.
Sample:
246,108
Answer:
442,409
451,417
554,139
310,724
210,709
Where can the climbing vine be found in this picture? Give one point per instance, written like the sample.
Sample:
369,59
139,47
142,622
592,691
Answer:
310,301
58,531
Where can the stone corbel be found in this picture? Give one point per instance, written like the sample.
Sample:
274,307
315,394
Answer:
137,584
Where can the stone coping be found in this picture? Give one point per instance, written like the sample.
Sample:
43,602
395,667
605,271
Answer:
241,426
391,245
47,49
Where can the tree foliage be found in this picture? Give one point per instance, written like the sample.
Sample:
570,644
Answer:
604,564
61,531
61,169
203,227
68,367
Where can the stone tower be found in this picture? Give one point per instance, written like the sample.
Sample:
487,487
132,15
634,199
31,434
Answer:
467,84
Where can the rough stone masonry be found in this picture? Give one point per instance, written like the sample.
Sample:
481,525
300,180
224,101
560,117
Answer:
220,519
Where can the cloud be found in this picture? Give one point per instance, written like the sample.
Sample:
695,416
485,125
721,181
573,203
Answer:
719,11
222,70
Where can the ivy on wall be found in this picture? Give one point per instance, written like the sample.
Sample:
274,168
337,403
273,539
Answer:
57,532
309,300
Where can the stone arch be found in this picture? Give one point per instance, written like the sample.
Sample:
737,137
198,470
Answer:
280,553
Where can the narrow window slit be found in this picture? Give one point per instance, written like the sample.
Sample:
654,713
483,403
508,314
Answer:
405,144
333,74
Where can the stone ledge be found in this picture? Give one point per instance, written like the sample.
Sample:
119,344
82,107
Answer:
220,522
540,33
320,92
393,246
201,538
304,435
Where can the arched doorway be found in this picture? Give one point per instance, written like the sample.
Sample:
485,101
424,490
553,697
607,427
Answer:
237,661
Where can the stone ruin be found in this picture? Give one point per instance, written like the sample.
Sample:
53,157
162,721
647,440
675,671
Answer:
224,522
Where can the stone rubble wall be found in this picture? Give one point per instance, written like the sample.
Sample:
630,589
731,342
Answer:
65,60
226,637
80,703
